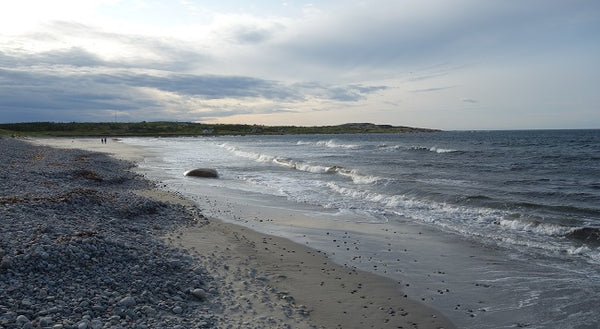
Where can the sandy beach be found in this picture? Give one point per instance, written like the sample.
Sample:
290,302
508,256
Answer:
267,281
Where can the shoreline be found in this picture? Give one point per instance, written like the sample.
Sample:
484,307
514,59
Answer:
315,291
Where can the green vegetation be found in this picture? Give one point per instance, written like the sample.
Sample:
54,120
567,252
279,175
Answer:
187,129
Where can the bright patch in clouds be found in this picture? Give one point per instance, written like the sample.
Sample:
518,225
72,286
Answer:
460,64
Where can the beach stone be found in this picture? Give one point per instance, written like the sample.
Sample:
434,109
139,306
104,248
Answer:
148,310
202,172
5,263
96,324
22,319
200,294
45,321
127,301
114,319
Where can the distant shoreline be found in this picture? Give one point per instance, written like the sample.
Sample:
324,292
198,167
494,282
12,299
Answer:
174,129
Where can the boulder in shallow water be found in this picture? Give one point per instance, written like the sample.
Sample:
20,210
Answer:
202,172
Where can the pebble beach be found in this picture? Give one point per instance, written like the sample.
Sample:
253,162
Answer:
88,242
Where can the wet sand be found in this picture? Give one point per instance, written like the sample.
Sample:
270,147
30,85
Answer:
314,291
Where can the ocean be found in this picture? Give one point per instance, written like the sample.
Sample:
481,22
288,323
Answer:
495,229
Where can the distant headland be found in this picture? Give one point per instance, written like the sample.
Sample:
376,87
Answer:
168,128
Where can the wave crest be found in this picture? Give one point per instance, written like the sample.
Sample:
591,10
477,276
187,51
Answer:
354,175
433,149
329,143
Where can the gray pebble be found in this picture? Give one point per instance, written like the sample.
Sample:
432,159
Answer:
45,321
199,293
127,301
22,319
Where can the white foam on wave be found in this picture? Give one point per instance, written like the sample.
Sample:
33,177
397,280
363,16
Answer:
259,157
441,150
547,229
354,175
388,201
433,149
332,144
550,247
328,143
299,165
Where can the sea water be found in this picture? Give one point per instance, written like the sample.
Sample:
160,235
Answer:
495,229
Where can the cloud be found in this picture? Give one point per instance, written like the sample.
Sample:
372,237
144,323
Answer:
431,90
41,85
326,57
72,43
74,56
249,31
345,93
403,34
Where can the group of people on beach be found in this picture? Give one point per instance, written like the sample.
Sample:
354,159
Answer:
103,140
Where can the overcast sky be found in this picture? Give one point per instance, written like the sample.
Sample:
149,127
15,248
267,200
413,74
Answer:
449,64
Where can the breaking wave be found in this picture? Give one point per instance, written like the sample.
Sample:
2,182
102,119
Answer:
433,149
329,143
354,175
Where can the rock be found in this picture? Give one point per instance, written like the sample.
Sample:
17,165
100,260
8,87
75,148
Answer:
114,319
45,321
22,319
127,301
5,263
148,310
96,324
200,294
177,310
202,172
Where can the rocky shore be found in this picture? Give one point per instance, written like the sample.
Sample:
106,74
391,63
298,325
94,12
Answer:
79,249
